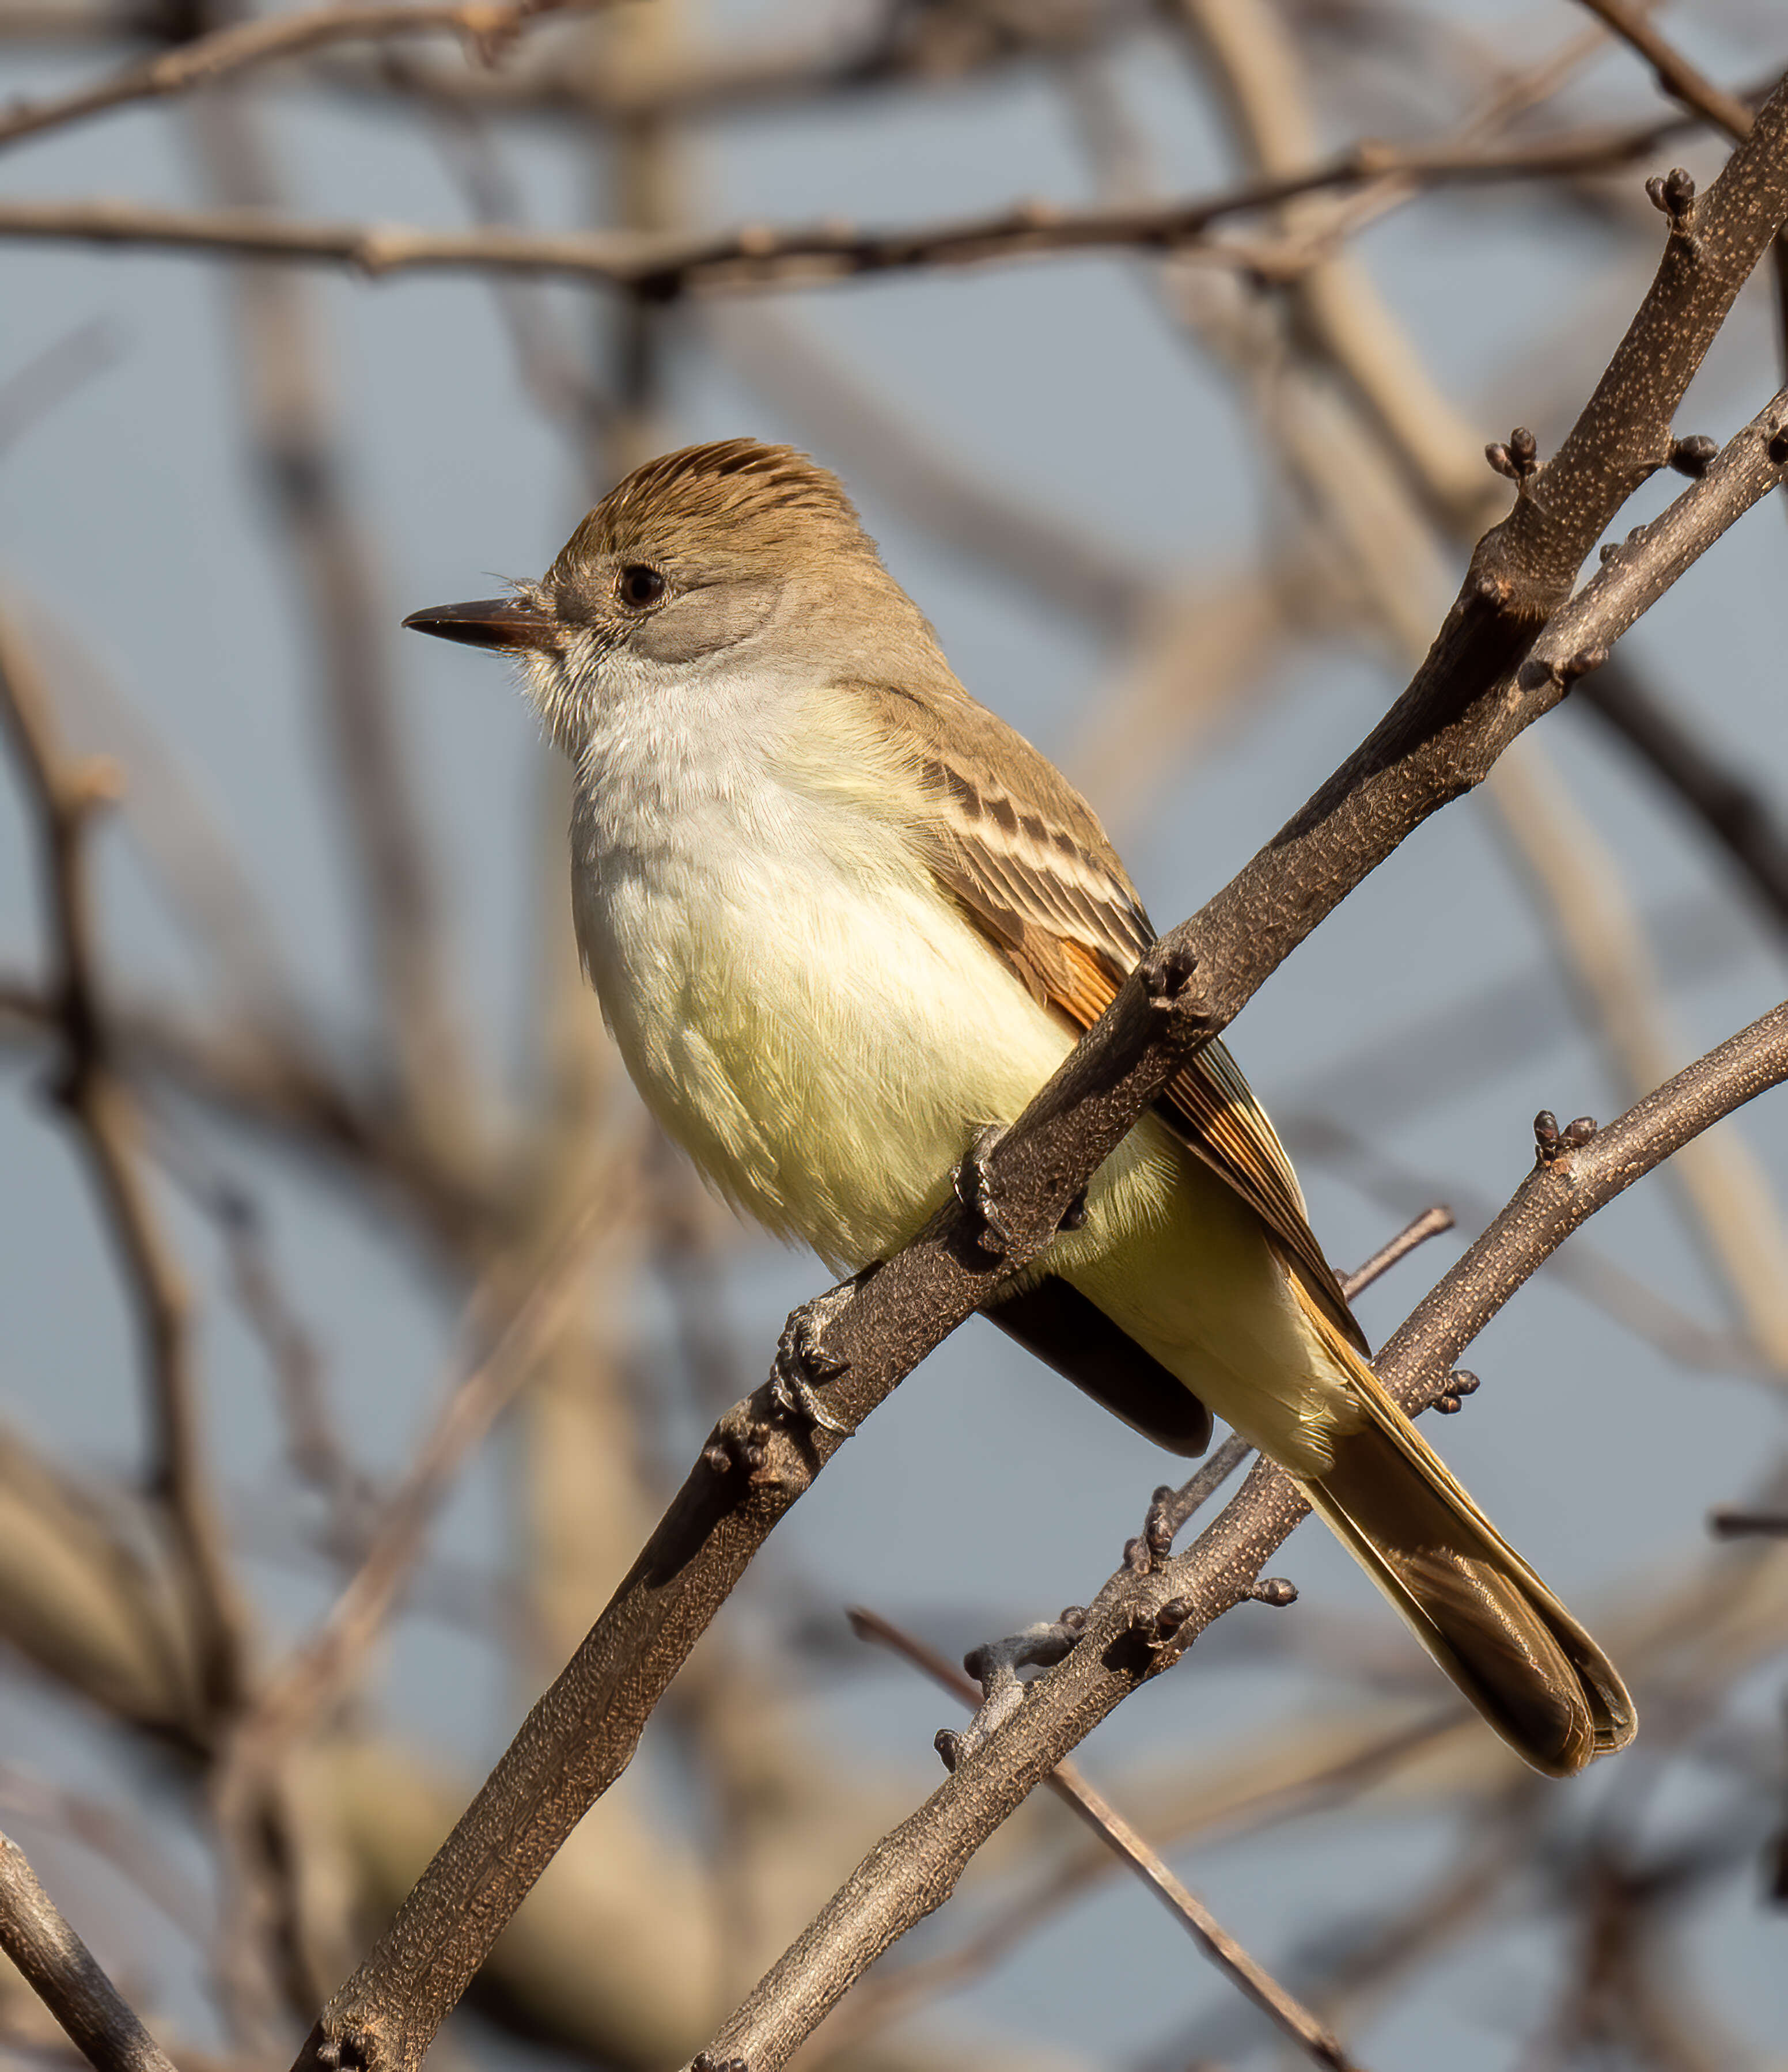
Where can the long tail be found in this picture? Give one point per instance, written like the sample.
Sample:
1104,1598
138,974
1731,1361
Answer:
1477,1608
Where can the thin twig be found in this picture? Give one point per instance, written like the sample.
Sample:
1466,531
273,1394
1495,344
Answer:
1173,1509
1675,74
1431,1223
760,255
63,797
62,1971
1313,2037
487,29
1733,1524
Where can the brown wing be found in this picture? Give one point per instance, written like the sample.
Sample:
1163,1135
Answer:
1024,856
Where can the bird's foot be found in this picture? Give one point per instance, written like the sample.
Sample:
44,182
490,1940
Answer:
978,1192
803,1367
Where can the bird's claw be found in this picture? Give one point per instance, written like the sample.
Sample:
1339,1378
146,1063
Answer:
977,1192
803,1365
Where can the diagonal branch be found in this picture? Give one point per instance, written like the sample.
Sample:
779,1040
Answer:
331,557
1312,2037
1683,82
1674,74
63,1972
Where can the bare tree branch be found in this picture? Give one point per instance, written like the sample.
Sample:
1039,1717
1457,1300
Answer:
63,797
487,29
1683,82
1675,74
759,256
63,1973
1314,2038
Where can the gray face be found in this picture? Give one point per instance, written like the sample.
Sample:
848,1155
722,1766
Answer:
666,608
604,631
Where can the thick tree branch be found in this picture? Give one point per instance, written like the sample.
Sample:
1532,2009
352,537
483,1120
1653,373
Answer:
61,1971
1487,679
1141,1623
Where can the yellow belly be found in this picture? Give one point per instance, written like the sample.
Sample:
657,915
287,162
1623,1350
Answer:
829,1079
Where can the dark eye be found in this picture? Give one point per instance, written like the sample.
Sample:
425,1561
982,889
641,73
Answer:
640,585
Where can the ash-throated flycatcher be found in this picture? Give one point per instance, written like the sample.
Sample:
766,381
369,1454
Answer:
842,920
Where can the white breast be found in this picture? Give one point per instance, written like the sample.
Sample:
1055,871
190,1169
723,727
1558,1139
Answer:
797,1004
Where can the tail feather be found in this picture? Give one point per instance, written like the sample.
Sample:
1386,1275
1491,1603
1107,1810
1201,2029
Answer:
1479,1611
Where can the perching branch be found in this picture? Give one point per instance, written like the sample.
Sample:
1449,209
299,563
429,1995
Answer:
1487,679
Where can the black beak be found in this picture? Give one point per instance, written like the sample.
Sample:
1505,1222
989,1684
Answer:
492,621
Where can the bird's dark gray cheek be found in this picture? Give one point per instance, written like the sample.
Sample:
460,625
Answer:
702,622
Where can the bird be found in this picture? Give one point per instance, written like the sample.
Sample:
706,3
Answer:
843,922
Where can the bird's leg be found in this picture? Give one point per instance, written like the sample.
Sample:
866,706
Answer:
803,1365
978,1192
